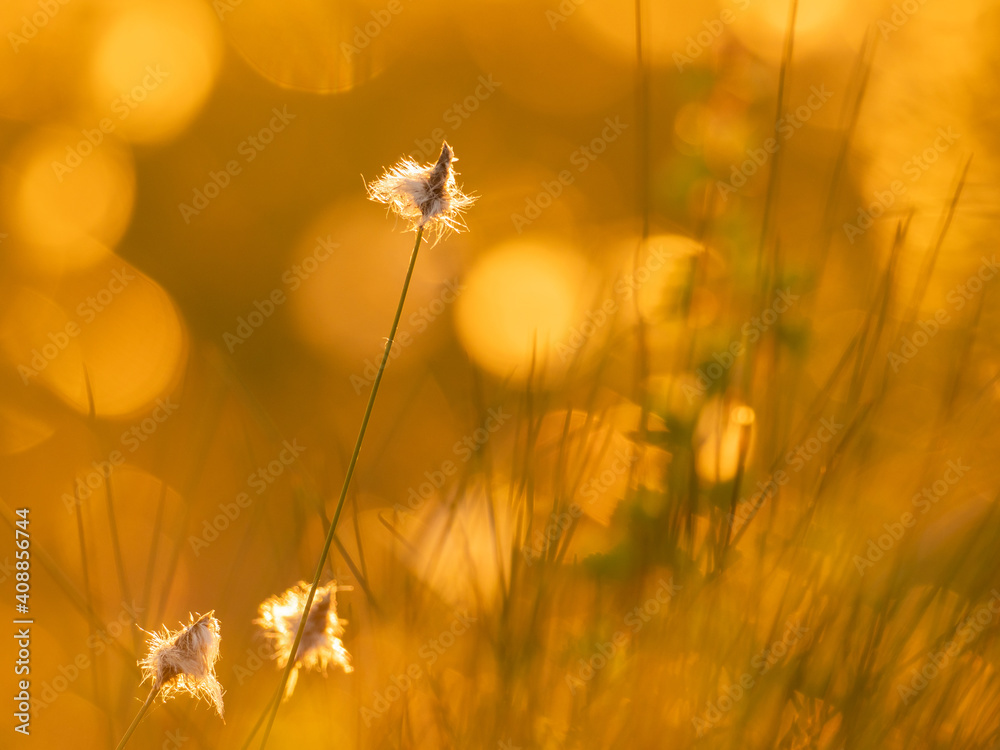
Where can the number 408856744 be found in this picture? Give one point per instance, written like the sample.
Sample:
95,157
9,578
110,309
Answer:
23,556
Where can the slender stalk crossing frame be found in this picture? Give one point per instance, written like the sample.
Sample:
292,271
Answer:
343,494
138,717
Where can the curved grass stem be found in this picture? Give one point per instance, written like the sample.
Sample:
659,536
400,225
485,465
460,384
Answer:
343,494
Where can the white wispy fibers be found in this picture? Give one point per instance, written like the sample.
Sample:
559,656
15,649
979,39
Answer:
430,200
320,645
183,661
427,195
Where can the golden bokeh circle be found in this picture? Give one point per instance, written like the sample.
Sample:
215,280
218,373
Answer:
153,69
521,302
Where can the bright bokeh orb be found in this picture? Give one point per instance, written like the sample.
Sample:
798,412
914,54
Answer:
453,549
312,45
40,341
522,299
66,199
136,349
154,68
343,279
722,431
819,27
112,331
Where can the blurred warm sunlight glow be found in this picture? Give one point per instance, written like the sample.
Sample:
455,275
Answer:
520,305
68,199
831,24
154,67
684,438
724,438
124,341
320,47
342,298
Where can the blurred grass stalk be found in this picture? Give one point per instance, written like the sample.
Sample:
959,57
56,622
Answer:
276,702
428,197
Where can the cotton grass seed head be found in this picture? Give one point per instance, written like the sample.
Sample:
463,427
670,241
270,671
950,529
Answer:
184,661
321,645
427,196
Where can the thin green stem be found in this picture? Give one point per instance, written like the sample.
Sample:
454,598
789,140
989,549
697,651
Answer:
138,717
343,492
260,719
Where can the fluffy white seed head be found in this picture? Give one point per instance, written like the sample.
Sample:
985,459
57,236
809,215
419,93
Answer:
183,661
427,195
320,645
